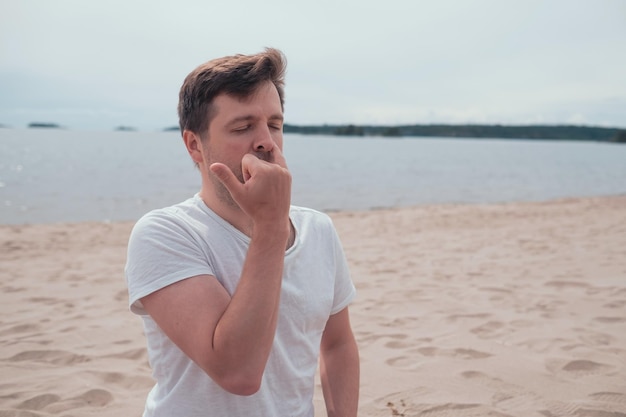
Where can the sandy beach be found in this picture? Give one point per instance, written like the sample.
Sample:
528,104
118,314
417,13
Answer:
462,310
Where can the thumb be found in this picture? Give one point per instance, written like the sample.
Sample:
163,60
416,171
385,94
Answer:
226,176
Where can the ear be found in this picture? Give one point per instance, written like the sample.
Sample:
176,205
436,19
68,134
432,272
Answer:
194,145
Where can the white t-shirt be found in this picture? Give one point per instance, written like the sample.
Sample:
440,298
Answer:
188,239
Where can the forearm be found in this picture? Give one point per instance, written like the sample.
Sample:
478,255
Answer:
244,334
340,370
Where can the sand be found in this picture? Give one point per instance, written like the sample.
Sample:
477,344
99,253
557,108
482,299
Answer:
484,310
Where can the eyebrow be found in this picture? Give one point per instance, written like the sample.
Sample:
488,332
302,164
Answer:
249,118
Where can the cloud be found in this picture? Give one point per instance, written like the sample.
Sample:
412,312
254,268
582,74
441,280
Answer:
397,61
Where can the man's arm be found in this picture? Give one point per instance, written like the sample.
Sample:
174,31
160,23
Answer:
339,366
230,338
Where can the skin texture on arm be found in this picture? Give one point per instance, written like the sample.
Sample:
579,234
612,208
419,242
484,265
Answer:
230,338
339,367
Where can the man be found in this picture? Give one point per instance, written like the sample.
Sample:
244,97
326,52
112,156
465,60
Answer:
240,292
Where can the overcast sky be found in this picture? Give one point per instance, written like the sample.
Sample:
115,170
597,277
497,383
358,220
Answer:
101,64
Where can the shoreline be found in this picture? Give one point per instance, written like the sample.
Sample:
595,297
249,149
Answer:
514,309
334,212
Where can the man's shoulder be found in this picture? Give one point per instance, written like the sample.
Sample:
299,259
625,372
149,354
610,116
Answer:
305,218
181,215
308,213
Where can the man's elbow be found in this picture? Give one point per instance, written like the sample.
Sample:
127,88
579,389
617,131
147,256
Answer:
240,384
234,375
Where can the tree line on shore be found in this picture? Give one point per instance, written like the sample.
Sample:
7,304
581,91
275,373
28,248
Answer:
535,132
554,132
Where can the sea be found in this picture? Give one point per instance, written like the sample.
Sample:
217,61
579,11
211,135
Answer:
58,175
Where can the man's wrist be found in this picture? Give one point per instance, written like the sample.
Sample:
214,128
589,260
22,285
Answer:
272,231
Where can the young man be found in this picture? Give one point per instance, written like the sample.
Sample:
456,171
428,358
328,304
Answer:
239,291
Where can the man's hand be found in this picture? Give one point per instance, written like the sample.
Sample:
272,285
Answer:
265,194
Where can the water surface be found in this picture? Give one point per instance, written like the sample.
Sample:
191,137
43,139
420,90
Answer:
49,175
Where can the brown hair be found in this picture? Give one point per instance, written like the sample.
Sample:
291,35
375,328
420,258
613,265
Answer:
238,75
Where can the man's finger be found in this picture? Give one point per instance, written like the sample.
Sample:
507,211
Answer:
278,157
226,176
248,165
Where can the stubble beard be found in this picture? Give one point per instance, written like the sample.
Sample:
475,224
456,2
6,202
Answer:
222,192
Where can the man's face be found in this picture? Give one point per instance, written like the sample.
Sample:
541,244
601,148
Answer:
239,126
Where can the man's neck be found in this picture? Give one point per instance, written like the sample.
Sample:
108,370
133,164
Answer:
229,212
238,219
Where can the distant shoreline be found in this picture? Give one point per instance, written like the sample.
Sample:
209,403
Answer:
537,132
486,131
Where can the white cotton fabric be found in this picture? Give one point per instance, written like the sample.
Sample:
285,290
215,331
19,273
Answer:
188,239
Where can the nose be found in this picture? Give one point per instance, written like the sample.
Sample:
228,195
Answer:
263,141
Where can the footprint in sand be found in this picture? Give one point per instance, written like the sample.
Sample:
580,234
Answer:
586,367
20,328
615,304
459,353
367,338
12,289
489,330
402,343
497,294
610,320
44,300
564,284
133,354
409,362
610,397
506,396
544,344
93,398
578,368
119,379
594,338
407,404
121,295
509,397
38,402
57,357
403,362
483,379
478,316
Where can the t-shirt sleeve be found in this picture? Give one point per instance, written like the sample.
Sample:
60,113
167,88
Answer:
161,251
344,287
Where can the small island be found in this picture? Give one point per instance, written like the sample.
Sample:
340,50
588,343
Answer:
125,129
43,125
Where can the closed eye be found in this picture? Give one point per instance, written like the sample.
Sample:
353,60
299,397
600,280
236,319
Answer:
242,128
